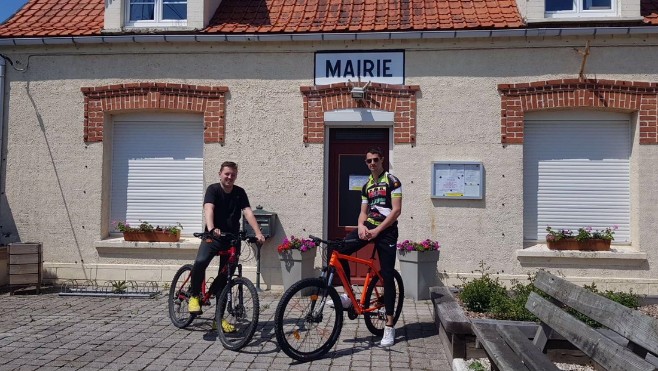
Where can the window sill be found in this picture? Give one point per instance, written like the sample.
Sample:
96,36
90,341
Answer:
620,255
185,243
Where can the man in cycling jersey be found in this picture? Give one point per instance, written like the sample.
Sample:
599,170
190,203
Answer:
223,205
381,205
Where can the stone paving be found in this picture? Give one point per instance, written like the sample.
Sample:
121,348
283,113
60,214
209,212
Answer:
49,331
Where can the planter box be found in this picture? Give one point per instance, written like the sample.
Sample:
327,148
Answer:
296,265
155,236
573,244
419,273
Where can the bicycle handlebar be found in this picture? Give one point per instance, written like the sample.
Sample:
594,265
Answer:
341,241
242,235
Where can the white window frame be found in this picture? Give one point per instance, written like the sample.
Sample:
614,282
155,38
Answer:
571,221
157,20
579,11
192,221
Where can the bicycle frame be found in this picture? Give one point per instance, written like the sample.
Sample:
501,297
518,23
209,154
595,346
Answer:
335,263
232,253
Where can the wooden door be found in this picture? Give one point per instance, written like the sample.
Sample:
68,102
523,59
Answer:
347,174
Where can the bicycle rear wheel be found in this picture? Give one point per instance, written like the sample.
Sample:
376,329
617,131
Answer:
306,326
241,313
179,295
375,321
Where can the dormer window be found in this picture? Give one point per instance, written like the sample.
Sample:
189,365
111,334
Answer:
156,13
579,8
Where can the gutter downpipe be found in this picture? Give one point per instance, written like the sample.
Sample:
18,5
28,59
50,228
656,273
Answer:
3,69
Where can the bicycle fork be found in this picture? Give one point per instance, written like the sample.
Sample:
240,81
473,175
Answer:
316,308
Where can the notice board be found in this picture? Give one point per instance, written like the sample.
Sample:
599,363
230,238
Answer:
457,179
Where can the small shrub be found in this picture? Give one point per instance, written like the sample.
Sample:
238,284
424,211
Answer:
476,366
479,294
512,306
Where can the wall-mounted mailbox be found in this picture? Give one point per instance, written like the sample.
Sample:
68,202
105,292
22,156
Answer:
266,220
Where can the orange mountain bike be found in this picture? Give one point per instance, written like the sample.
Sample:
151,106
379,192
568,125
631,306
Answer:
307,326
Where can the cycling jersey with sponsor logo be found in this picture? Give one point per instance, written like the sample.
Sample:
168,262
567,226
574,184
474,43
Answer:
378,193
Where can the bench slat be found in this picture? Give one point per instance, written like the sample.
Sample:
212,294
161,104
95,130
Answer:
499,352
532,357
597,346
631,324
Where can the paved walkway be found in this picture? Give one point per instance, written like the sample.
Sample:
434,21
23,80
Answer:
49,331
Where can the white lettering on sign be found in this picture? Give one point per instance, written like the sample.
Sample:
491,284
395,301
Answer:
384,67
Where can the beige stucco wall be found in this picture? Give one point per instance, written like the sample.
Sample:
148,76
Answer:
54,180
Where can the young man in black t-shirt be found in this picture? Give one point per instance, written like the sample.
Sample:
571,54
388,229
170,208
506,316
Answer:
223,206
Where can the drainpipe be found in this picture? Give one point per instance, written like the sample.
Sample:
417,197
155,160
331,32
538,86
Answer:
3,68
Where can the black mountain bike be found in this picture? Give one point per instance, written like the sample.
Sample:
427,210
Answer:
237,303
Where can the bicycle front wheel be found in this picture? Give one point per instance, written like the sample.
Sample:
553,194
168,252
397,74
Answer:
179,296
306,326
375,321
237,318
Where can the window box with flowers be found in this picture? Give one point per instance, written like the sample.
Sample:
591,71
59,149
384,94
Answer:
587,239
297,257
146,232
418,267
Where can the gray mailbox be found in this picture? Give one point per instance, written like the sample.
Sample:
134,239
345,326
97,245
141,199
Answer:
266,220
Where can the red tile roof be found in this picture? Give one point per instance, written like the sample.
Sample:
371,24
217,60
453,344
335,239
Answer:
56,18
649,10
85,17
287,16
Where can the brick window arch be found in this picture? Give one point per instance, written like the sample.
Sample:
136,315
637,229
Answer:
209,100
399,99
624,96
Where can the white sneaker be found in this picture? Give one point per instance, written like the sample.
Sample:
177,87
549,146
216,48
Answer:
344,300
389,337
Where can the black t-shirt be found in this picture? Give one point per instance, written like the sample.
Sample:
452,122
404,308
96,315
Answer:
228,206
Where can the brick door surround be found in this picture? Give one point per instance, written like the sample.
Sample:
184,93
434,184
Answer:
155,97
612,95
399,99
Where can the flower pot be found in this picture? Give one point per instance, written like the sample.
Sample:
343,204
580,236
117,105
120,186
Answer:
296,265
586,245
419,272
154,236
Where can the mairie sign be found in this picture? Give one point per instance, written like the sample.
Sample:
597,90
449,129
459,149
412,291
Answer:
381,66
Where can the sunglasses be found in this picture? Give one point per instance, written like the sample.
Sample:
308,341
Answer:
371,160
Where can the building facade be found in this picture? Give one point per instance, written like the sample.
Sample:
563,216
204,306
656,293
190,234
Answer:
113,112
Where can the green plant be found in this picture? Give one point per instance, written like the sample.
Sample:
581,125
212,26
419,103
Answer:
476,366
584,234
479,294
119,287
145,226
512,306
427,245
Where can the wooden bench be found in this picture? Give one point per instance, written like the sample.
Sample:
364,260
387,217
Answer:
628,342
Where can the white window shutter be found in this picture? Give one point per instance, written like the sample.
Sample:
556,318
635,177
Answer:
157,170
576,174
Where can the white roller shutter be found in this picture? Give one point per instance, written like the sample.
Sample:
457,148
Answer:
576,174
157,170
